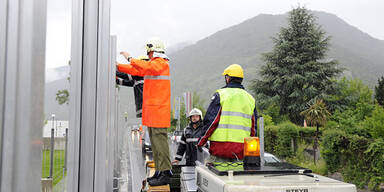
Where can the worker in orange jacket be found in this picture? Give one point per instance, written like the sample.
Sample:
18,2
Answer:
156,104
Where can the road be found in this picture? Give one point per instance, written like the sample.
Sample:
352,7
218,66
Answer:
133,170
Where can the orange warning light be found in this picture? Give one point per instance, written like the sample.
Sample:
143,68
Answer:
251,147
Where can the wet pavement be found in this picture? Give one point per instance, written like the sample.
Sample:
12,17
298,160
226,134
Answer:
132,166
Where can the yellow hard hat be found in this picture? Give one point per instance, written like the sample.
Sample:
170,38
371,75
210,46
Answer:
234,70
154,44
143,57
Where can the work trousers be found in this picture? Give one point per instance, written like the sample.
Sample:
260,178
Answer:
160,148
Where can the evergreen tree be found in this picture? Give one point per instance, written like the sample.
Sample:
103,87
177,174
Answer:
296,70
379,91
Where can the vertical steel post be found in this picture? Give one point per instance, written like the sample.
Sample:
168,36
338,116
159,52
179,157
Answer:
102,180
87,160
116,172
65,153
22,66
261,137
66,149
119,134
112,106
52,152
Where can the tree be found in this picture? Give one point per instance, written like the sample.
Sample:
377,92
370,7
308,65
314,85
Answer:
296,70
62,96
316,114
379,91
375,123
347,94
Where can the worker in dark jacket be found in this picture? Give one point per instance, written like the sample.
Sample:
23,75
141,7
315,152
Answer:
189,139
137,83
231,116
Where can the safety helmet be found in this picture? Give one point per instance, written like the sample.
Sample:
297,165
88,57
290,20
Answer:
195,111
155,44
234,70
143,57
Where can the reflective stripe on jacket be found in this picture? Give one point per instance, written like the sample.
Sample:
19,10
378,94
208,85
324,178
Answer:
211,122
188,144
235,123
157,89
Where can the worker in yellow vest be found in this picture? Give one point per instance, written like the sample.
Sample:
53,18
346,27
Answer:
231,116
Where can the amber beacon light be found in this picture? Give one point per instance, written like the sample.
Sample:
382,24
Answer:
251,152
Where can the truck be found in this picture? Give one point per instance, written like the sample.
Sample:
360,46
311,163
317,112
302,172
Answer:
257,172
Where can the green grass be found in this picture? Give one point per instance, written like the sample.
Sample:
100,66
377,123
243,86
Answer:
303,161
58,164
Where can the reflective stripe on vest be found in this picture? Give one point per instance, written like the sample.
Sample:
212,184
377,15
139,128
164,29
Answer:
238,127
233,113
157,77
237,107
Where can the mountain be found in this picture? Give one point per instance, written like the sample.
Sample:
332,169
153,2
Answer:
177,47
198,67
52,74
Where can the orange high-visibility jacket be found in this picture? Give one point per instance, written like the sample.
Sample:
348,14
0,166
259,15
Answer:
157,89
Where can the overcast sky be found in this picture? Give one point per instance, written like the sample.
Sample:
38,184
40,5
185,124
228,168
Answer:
178,21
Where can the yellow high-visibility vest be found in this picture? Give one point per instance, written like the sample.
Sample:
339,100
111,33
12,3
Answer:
237,107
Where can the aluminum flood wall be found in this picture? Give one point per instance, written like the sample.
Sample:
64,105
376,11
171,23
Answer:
89,162
22,69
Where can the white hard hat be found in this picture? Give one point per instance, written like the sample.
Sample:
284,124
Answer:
195,111
155,44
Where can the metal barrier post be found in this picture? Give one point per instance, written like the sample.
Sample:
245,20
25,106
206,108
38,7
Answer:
87,161
111,115
22,68
65,149
261,137
65,152
52,153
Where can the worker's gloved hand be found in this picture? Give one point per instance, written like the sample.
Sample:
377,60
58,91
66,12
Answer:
125,54
175,162
118,81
